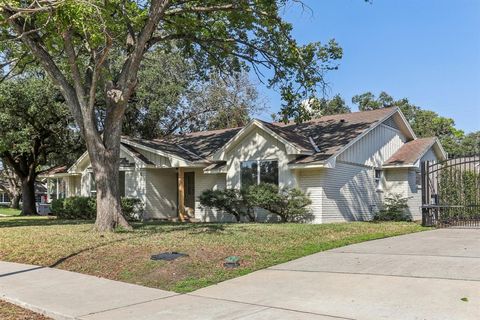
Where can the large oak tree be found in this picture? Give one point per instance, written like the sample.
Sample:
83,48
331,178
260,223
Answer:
75,41
36,130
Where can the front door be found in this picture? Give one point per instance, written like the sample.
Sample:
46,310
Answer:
190,190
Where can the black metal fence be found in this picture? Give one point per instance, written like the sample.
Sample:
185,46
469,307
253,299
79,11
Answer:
451,192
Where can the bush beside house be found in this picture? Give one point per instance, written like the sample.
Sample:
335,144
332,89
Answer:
394,209
85,208
289,204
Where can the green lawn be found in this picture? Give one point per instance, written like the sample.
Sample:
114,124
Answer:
125,256
4,211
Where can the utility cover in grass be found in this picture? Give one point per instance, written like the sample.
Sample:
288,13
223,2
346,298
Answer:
168,256
232,262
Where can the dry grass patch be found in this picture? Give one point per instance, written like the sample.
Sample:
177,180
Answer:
10,311
125,256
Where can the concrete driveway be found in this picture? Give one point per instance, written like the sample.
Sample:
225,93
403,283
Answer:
427,275
417,276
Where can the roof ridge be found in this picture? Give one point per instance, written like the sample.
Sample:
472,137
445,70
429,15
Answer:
334,115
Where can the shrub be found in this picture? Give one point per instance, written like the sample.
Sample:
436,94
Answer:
230,201
394,209
290,204
132,208
57,206
85,208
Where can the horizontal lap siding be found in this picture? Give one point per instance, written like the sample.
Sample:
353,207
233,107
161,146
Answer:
309,181
415,192
344,193
161,193
349,193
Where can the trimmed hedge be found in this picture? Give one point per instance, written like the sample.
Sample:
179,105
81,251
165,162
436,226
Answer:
85,208
289,204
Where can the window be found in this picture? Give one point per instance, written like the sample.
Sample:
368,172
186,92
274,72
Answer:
258,171
93,185
121,183
248,173
378,179
269,172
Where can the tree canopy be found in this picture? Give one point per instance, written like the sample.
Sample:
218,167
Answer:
425,123
76,42
35,130
171,98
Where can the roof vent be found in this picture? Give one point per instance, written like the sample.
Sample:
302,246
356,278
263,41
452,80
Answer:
314,145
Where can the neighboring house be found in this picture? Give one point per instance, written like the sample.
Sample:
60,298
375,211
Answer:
40,193
346,163
4,197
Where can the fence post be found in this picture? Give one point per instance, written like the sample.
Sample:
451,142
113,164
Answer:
424,175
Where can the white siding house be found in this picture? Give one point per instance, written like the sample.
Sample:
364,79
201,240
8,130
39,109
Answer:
346,164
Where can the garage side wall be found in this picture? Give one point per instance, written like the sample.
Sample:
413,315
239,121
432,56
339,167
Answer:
344,193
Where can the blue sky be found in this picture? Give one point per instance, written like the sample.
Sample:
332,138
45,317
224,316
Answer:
425,50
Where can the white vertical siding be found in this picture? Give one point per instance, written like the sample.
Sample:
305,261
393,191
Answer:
85,184
375,147
161,193
135,184
205,182
158,160
73,186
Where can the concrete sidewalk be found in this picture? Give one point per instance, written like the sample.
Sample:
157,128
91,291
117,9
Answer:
418,276
67,295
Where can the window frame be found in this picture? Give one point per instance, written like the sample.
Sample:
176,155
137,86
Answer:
259,170
378,179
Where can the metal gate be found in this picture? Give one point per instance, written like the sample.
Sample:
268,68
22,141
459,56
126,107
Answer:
451,192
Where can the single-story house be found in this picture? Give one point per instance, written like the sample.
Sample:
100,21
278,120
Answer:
346,163
40,193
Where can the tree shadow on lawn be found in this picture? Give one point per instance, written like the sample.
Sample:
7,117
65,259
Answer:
100,245
33,221
169,227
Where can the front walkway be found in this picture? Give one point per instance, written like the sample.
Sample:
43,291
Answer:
428,275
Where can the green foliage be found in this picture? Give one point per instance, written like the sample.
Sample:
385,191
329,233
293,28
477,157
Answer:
425,123
172,98
394,209
290,204
227,35
132,208
34,122
84,208
460,191
230,201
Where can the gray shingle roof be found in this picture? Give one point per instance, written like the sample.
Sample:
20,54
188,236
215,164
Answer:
329,135
410,152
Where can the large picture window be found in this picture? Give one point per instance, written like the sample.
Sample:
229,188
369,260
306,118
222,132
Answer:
258,171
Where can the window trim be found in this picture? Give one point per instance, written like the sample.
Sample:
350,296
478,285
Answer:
378,180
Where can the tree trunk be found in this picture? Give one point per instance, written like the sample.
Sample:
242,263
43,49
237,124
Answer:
15,201
109,211
28,196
